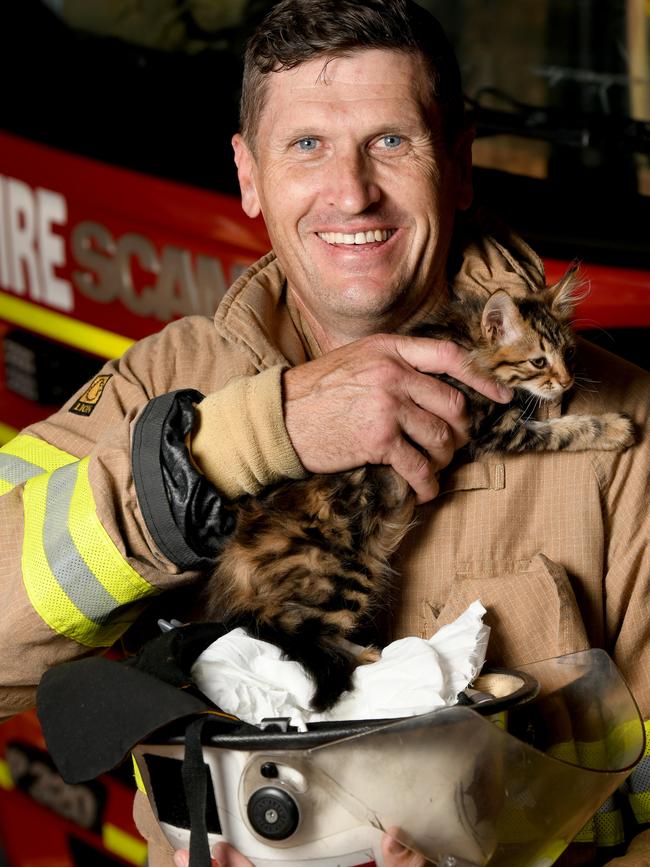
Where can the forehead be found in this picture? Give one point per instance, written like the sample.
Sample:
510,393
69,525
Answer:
366,82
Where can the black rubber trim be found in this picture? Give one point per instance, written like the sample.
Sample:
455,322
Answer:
186,516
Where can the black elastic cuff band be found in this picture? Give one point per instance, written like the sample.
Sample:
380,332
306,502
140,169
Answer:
186,516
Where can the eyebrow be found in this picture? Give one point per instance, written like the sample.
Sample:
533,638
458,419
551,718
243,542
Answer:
410,127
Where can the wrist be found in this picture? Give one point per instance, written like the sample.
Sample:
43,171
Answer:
240,442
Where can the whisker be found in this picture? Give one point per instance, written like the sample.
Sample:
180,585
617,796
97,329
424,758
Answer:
581,387
522,414
530,408
596,327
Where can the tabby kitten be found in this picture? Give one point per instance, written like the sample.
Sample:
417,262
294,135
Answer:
308,562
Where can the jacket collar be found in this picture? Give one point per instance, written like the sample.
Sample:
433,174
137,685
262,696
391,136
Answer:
258,317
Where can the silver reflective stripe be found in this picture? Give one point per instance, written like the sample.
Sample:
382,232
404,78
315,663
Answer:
67,565
15,470
639,780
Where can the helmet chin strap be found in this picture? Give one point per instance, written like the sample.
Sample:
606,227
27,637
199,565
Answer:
196,774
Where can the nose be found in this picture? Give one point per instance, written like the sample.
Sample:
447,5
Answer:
564,377
352,188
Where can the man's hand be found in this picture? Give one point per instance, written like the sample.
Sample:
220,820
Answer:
368,402
224,856
395,855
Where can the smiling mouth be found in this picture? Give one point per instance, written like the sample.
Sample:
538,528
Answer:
372,236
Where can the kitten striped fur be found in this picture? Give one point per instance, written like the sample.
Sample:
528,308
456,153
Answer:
309,561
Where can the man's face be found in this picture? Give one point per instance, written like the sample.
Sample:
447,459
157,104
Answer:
357,188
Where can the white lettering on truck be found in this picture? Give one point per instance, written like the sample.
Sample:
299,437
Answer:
177,288
164,284
30,249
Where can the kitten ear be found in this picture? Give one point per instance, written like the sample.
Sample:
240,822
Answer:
568,292
501,320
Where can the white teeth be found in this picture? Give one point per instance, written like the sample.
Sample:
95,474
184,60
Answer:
370,237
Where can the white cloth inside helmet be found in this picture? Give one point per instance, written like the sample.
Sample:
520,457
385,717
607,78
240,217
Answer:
253,680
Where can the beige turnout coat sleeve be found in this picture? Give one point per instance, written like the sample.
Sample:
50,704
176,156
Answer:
78,560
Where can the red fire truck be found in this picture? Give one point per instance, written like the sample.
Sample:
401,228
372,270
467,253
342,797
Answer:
118,213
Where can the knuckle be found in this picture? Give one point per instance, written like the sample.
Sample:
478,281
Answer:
380,342
381,440
457,403
441,434
451,354
387,370
421,470
386,407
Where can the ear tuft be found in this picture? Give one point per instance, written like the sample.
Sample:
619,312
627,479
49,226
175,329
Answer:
568,292
501,320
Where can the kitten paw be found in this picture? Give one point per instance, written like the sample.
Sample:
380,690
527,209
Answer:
367,655
618,432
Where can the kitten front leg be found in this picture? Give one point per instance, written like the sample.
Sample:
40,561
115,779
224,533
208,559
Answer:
611,431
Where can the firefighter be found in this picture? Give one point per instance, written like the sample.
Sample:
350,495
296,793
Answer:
355,149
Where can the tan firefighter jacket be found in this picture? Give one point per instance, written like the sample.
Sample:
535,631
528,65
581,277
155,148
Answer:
102,507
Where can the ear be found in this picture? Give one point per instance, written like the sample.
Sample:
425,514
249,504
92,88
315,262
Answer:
245,163
568,292
501,321
463,156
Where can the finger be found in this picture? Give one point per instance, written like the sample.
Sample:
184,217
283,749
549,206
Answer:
443,356
429,433
182,858
226,856
416,469
396,855
441,401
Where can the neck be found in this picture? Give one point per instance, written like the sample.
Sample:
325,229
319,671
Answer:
330,335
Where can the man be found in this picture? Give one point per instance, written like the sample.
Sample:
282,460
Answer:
355,150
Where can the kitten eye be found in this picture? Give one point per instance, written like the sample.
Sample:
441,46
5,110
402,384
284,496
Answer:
569,353
538,362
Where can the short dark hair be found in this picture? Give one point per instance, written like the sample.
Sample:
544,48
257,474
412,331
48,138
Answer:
295,31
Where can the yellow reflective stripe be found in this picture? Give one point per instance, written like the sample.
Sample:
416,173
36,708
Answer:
586,834
81,335
549,855
6,433
139,782
565,751
605,828
44,591
639,783
39,452
608,828
622,744
26,456
132,849
6,780
61,585
640,803
97,548
500,720
626,738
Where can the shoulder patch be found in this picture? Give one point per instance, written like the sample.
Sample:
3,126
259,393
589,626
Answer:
87,402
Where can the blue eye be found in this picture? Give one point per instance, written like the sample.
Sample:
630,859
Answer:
392,141
307,144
